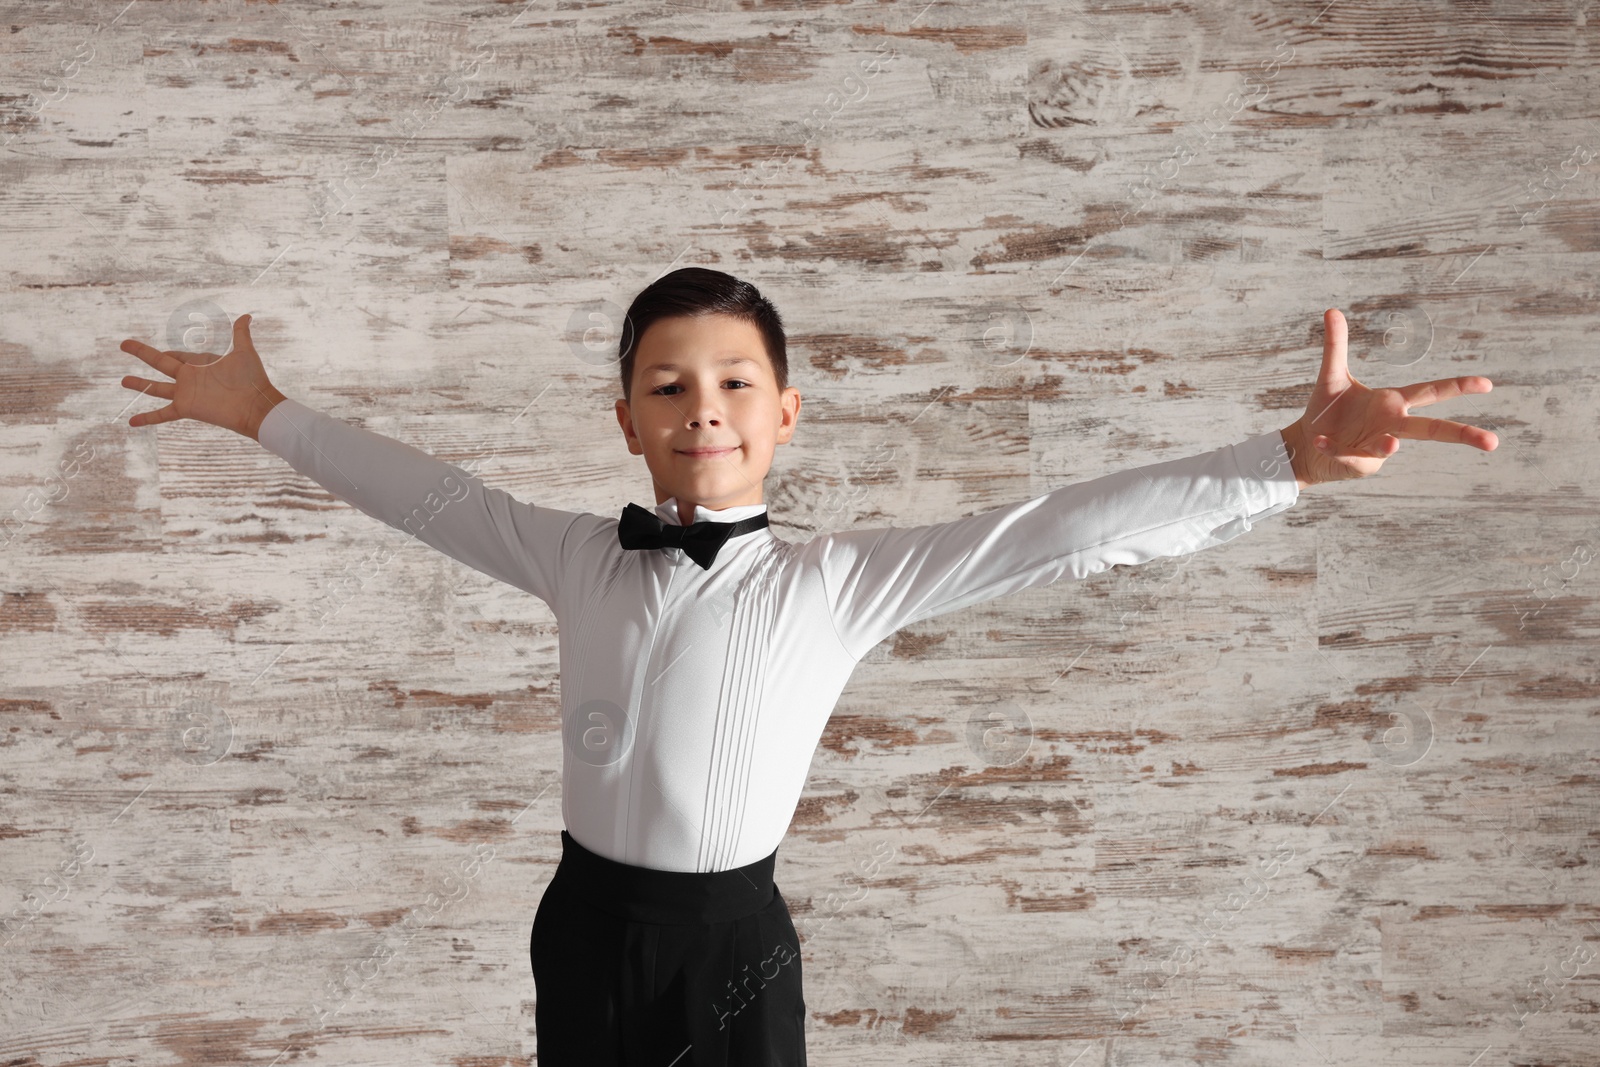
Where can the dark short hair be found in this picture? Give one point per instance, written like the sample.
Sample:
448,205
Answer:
698,291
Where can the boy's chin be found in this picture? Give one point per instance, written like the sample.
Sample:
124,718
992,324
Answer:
705,491
710,493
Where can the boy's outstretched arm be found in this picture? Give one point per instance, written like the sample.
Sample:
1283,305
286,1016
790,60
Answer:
442,505
880,580
1348,430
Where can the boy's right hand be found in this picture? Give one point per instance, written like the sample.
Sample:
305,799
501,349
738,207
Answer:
230,391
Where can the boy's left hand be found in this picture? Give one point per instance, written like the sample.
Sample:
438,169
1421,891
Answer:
1348,430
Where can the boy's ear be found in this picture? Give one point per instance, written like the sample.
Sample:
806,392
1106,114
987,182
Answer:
625,420
786,431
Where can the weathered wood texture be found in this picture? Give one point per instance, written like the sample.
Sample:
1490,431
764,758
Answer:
1324,794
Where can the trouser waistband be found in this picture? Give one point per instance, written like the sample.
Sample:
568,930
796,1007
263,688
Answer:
643,894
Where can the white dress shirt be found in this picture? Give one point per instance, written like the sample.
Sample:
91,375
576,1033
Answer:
692,699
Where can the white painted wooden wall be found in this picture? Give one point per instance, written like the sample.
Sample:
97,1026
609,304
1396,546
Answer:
1325,794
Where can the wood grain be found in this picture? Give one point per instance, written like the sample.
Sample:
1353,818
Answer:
1327,793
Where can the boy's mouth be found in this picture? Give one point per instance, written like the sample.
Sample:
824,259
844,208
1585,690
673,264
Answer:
705,453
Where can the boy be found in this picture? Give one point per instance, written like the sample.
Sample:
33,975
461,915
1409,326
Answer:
701,655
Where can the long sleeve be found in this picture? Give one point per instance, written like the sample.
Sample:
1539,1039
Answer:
437,502
880,580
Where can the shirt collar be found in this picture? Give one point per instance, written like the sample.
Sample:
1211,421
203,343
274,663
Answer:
667,511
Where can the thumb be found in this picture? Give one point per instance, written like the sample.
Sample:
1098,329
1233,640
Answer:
241,331
1335,349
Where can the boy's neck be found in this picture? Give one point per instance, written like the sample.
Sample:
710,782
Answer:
686,507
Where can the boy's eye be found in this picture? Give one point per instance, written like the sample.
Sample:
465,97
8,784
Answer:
731,381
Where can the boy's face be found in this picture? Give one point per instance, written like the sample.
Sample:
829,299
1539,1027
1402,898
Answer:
685,398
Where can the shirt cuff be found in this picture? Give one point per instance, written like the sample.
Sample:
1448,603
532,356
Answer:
1269,481
282,426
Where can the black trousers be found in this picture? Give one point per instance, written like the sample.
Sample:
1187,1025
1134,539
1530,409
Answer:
647,968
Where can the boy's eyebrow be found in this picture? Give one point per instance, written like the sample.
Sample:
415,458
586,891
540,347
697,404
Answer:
721,363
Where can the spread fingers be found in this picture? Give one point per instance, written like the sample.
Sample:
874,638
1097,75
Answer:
147,418
161,390
165,362
1418,428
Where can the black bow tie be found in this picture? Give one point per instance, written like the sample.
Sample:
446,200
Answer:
700,541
